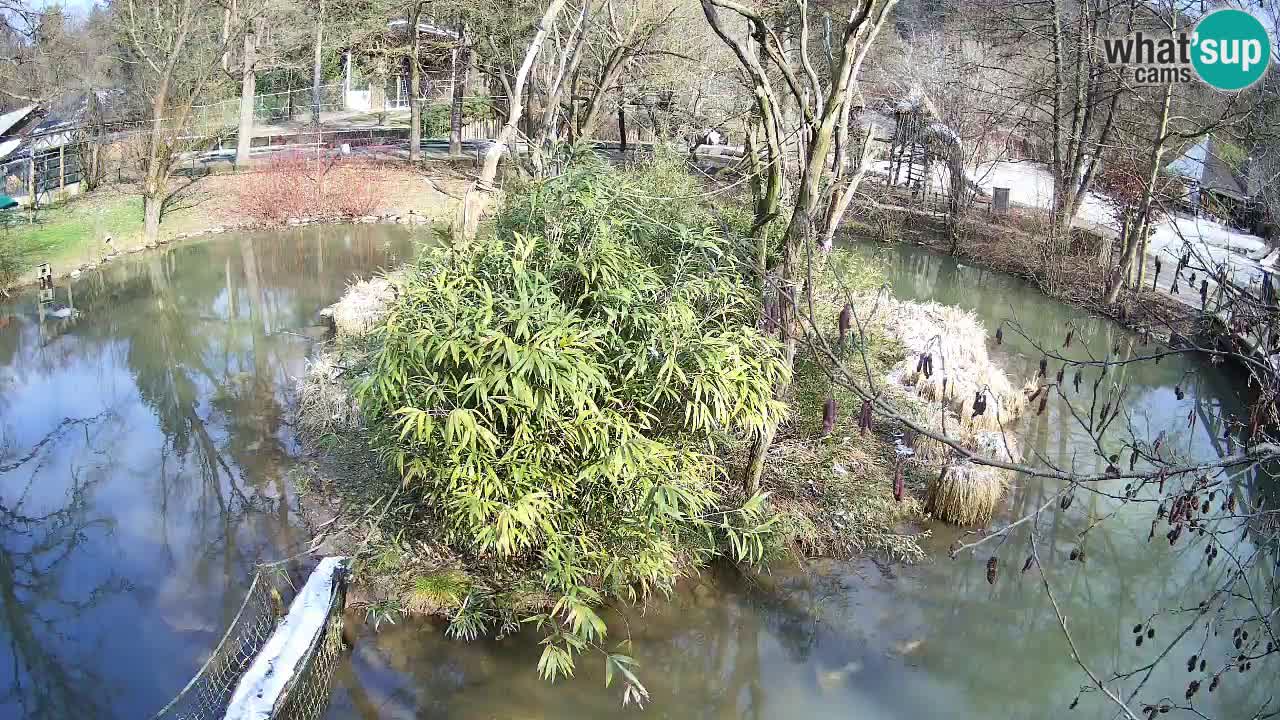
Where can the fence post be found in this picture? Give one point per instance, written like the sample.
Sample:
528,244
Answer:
31,180
62,167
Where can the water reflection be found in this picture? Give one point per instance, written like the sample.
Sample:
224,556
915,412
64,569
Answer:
144,454
837,640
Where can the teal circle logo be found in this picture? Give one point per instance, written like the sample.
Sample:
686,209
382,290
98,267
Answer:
1231,49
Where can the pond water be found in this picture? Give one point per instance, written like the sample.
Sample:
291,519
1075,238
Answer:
145,450
145,458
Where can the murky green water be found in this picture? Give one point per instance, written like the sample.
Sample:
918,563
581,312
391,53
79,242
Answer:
145,466
145,450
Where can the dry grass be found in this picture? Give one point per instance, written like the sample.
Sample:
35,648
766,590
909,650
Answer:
325,401
965,493
361,307
957,343
943,402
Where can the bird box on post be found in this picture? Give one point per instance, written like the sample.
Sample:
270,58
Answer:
46,276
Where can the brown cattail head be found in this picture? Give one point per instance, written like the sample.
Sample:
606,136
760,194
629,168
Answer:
993,570
1044,365
979,403
1070,334
846,321
828,416
864,417
1044,400
1062,371
999,335
1078,378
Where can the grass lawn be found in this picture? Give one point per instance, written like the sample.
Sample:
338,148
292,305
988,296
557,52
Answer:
72,231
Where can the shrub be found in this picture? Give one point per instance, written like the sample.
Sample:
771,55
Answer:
296,186
556,391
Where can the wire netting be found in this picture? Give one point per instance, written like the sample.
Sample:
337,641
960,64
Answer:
206,696
305,696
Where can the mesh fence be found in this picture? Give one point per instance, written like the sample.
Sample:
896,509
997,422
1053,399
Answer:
206,696
306,695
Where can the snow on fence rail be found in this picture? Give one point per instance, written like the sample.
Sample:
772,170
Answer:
289,678
303,691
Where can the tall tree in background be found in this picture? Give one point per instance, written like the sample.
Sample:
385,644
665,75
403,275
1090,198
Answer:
171,63
823,99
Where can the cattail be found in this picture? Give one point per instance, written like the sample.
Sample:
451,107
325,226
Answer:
846,321
1061,372
864,418
1070,334
1067,498
1155,447
979,403
999,335
1078,378
993,570
1204,293
828,416
1044,365
1193,279
1044,400
928,366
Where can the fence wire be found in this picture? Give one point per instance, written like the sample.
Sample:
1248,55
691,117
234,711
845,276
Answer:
205,697
306,695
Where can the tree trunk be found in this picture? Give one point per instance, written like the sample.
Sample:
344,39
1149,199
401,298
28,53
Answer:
478,196
316,69
1148,194
248,82
151,206
415,80
461,66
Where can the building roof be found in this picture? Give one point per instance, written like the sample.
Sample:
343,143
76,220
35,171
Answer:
10,119
1207,168
425,28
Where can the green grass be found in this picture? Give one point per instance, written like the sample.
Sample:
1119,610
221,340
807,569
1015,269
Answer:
70,232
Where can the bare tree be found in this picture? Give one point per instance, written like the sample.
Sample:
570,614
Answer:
174,52
480,193
823,100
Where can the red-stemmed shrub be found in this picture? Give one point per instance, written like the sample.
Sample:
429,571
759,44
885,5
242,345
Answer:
296,185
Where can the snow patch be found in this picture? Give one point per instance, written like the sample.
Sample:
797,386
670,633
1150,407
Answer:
259,689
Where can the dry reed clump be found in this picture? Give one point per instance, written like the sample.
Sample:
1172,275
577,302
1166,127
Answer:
956,343
361,307
942,401
965,493
325,401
